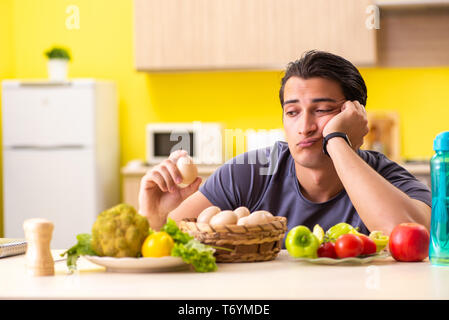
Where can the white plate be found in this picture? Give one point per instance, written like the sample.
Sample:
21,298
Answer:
353,260
167,263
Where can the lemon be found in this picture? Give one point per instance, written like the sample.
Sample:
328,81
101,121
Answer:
157,244
318,232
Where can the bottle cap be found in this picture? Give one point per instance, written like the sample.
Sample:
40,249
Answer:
441,142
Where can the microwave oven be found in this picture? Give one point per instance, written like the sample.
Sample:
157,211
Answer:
202,140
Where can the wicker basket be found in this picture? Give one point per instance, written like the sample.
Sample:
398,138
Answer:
260,242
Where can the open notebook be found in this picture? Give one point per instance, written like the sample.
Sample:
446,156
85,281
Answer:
12,247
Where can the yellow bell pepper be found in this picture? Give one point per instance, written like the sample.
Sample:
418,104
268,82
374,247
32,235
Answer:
380,239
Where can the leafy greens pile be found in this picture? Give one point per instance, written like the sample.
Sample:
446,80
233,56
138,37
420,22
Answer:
193,252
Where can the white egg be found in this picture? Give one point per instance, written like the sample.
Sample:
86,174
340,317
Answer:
224,217
257,217
188,169
243,221
207,214
267,214
242,212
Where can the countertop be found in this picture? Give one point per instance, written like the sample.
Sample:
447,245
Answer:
283,278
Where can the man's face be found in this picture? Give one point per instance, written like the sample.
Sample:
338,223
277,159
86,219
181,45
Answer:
308,106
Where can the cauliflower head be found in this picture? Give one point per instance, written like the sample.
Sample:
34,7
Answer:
119,232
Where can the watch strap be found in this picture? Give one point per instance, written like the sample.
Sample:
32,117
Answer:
333,135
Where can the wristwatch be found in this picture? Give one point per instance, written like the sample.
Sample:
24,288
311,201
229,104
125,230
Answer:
333,135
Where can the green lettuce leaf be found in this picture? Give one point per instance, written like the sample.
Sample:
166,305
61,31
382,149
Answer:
199,255
193,252
178,236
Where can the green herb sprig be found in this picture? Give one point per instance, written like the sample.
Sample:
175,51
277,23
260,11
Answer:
82,247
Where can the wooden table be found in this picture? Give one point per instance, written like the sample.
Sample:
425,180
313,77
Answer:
284,278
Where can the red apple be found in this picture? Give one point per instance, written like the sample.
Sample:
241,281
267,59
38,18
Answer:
409,242
369,246
327,249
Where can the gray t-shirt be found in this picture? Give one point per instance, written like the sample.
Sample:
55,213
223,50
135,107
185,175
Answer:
265,179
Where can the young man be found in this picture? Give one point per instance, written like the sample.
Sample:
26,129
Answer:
319,176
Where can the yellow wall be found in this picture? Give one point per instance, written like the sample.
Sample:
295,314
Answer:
103,48
420,96
6,67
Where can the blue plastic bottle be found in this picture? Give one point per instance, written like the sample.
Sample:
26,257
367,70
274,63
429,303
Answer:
439,226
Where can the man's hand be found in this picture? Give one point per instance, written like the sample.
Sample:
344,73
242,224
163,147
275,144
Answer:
159,193
351,120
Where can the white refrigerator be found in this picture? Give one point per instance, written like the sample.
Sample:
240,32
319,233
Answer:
60,155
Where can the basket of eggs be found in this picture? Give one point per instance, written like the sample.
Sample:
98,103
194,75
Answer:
244,236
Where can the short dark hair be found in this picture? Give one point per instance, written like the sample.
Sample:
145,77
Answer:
323,64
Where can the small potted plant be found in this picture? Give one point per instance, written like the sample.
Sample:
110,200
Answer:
58,59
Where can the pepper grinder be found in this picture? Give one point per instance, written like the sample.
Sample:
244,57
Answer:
39,260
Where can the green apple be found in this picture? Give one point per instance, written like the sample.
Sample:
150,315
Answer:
302,243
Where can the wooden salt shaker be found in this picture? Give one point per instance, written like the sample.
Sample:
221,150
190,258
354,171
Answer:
38,233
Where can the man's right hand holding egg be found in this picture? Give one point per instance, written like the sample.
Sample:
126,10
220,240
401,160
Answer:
160,192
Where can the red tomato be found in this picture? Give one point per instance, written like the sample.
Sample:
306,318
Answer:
327,249
369,246
409,242
348,245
